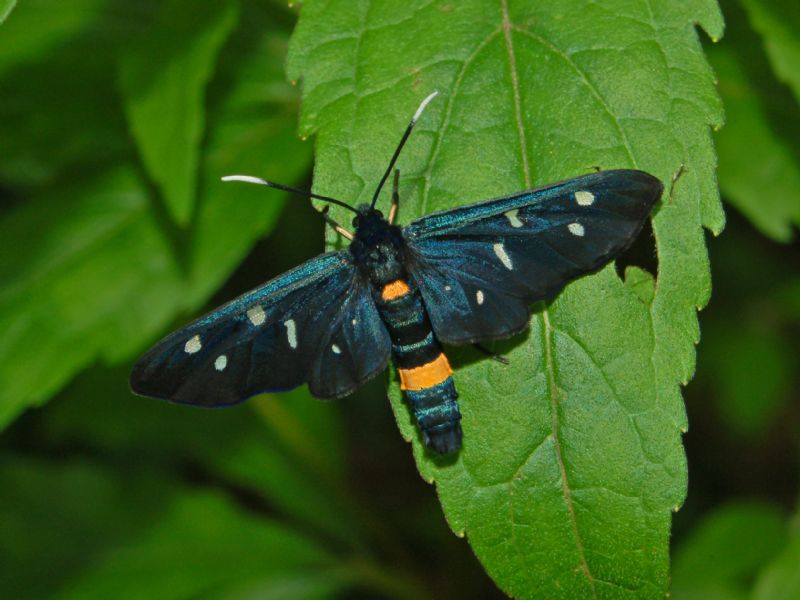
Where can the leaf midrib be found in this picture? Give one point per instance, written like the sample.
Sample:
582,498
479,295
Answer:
544,314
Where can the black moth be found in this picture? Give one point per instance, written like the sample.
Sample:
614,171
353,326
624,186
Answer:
460,276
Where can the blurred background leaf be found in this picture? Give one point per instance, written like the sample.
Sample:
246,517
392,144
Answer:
778,23
780,579
6,6
163,77
93,268
723,555
759,157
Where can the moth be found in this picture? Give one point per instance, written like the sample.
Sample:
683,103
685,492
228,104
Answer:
460,276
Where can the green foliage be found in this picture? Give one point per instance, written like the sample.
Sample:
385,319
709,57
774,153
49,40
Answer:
183,543
780,580
741,550
117,120
6,6
759,167
220,550
92,268
572,460
778,23
722,556
163,79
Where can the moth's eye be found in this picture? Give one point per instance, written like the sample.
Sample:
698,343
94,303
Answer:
355,222
379,213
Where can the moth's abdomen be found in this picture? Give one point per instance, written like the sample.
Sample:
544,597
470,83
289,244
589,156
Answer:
425,373
437,414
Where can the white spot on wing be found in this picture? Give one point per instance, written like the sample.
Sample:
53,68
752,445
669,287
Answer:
336,349
500,250
479,296
513,218
256,315
447,288
584,198
576,229
291,333
355,322
193,345
221,362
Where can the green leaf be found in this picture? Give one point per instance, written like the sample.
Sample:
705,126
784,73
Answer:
759,165
253,131
48,506
85,271
572,461
713,561
89,269
778,22
780,580
6,6
203,547
789,299
736,351
163,81
39,26
298,477
45,93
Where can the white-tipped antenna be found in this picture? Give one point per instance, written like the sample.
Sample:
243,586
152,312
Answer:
422,106
246,179
396,154
286,188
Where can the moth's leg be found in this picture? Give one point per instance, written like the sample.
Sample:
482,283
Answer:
336,227
675,176
395,197
493,355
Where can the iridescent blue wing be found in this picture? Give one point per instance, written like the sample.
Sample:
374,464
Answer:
479,267
316,324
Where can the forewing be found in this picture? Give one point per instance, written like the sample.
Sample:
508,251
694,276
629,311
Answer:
316,324
480,266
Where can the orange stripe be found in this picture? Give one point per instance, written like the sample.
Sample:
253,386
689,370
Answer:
394,289
425,376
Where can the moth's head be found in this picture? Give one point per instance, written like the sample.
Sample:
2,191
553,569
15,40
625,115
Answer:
367,217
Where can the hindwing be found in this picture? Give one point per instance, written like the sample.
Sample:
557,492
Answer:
479,267
315,324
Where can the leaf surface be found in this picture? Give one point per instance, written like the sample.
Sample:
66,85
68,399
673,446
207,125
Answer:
6,6
572,461
163,80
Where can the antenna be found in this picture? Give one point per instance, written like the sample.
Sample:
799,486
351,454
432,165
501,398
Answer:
286,188
400,146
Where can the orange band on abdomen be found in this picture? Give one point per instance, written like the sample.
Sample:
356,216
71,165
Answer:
394,289
425,376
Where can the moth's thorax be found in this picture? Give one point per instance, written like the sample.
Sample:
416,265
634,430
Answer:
378,247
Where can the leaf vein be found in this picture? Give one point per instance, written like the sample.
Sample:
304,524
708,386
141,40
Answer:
448,111
547,331
546,328
591,86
